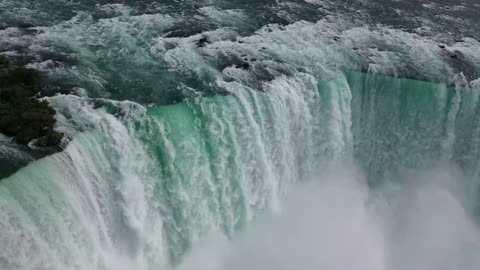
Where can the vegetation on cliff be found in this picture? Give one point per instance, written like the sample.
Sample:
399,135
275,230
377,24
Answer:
22,115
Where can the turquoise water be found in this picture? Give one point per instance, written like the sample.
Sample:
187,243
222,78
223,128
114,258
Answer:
234,135
148,185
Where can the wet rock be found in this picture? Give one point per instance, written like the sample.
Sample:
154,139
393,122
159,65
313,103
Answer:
202,42
25,25
244,65
456,54
33,31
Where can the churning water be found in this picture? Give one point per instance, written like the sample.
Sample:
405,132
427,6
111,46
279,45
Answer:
248,135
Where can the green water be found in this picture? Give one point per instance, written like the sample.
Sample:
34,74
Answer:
234,135
147,184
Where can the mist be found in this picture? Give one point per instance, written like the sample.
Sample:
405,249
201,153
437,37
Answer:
336,221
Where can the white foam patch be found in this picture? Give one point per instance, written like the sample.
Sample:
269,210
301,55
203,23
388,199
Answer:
228,17
475,83
325,47
115,9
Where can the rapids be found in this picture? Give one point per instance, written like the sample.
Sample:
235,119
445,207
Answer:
242,135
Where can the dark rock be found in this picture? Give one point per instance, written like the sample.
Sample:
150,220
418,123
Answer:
336,38
202,42
456,54
253,60
33,31
243,65
25,25
441,46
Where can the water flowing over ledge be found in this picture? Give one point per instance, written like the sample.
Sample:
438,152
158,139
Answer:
234,135
120,53
144,185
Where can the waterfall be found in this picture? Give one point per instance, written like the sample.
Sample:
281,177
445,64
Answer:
141,186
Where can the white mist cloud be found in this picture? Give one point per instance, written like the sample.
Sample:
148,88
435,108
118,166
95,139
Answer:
337,223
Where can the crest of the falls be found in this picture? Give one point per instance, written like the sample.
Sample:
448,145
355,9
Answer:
147,184
247,135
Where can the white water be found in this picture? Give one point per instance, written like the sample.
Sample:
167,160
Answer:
217,182
267,176
337,222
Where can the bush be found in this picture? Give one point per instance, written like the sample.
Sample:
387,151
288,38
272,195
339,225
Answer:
3,60
23,116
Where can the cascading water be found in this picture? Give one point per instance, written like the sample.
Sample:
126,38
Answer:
300,141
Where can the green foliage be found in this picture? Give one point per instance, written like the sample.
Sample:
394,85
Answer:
3,60
22,116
